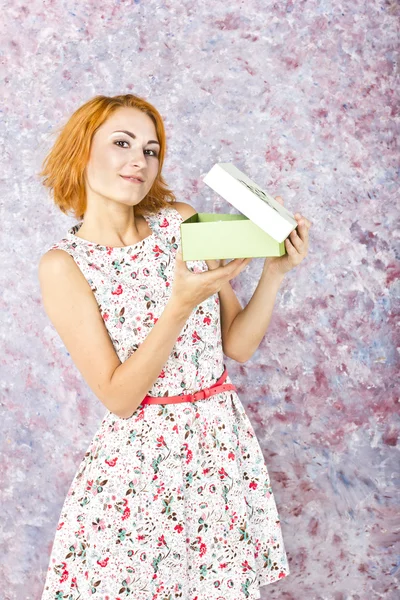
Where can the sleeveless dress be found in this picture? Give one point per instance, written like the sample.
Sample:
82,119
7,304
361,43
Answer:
174,502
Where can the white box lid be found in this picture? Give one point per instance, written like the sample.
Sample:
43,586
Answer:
252,201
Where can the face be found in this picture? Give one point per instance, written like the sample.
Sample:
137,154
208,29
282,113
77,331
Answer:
114,154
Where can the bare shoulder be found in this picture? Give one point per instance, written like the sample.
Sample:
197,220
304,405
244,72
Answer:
55,259
58,265
184,209
72,308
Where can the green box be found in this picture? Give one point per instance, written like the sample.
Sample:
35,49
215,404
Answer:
259,230
207,236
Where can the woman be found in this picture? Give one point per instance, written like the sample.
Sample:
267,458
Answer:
172,498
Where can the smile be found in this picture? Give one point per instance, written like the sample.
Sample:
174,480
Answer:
132,179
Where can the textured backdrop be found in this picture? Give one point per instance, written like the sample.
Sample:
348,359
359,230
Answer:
302,97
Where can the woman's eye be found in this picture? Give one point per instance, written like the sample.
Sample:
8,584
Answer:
154,152
148,149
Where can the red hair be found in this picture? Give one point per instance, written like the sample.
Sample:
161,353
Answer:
64,166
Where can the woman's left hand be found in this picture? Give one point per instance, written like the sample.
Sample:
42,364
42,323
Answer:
296,246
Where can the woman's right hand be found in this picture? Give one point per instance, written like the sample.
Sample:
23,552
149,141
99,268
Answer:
190,289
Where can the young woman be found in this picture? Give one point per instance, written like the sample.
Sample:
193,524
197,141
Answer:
172,498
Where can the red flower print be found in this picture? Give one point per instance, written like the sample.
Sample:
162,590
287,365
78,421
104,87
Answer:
178,528
59,526
195,337
140,538
103,563
64,576
167,284
203,549
105,316
161,541
165,223
189,456
162,374
118,291
246,566
112,462
222,473
231,455
157,250
161,441
234,518
126,513
253,485
222,566
207,320
175,428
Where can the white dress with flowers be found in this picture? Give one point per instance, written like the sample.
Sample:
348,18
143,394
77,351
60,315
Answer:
174,502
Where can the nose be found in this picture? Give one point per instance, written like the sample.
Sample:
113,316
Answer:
137,157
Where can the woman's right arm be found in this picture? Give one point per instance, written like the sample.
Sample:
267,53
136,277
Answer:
72,308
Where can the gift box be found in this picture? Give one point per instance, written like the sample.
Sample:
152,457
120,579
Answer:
258,231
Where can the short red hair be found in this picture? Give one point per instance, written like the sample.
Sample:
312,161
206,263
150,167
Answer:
64,166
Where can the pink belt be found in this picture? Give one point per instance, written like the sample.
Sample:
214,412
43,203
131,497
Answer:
216,388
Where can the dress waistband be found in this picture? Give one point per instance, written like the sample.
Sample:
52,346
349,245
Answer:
217,387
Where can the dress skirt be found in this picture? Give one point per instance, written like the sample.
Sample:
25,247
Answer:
173,502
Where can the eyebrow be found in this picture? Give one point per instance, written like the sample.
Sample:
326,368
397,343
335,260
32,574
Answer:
133,136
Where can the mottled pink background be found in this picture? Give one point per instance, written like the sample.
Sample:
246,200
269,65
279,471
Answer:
302,97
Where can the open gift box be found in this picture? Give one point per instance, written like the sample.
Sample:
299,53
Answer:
259,231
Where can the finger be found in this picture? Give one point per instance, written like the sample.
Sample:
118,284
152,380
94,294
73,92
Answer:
243,265
225,269
231,267
302,232
296,240
302,221
290,248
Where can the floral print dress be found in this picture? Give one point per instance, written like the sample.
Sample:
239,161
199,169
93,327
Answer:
174,502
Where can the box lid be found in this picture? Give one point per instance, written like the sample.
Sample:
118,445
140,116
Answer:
252,201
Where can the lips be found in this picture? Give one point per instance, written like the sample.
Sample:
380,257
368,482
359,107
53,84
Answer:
133,179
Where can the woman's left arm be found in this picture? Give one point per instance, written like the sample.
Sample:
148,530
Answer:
251,323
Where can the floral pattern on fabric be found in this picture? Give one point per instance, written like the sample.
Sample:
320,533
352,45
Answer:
175,501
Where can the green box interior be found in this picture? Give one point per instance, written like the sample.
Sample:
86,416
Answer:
207,236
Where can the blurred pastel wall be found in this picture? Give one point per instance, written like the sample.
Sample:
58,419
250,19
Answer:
302,97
